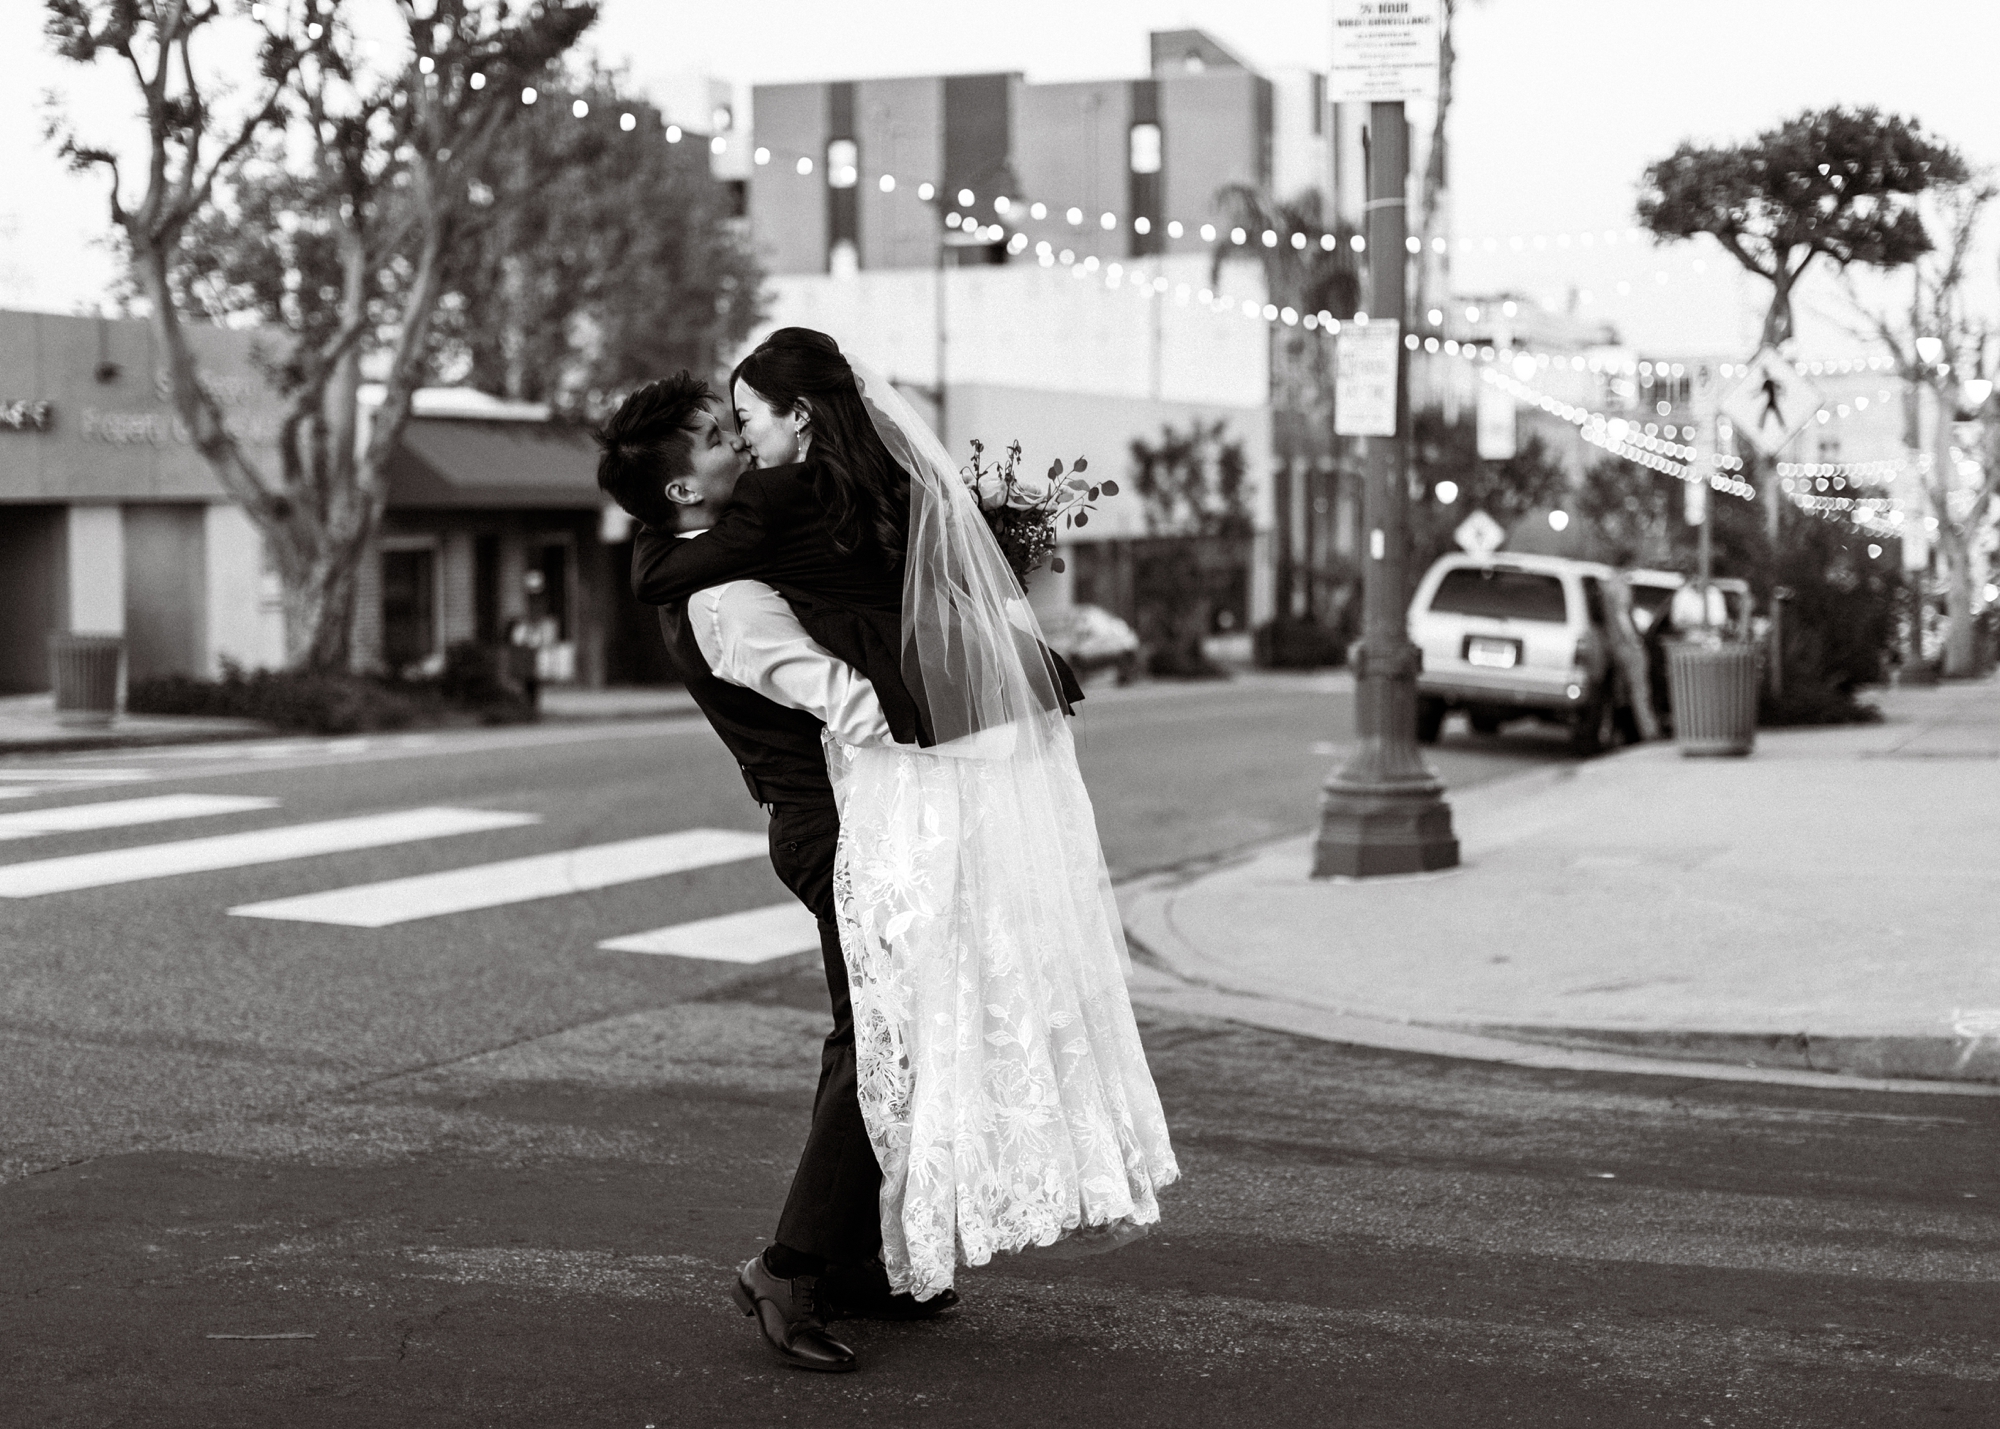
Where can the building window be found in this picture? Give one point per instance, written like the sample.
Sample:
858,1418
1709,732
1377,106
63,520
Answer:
843,164
1145,148
409,607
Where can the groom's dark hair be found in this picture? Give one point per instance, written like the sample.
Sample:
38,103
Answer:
648,442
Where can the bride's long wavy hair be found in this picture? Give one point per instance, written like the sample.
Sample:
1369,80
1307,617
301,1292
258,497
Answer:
866,494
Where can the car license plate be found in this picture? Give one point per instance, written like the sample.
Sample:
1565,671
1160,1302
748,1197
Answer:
1493,654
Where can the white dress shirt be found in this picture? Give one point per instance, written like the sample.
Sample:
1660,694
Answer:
749,636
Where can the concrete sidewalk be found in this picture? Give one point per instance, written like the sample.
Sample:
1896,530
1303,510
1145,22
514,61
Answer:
1826,905
28,725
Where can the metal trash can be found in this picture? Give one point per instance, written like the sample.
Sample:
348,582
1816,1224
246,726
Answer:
1714,693
84,671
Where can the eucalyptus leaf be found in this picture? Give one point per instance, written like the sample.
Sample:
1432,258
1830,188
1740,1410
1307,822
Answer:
1110,487
1082,465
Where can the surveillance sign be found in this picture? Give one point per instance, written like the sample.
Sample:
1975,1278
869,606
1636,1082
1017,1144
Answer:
1769,405
1384,51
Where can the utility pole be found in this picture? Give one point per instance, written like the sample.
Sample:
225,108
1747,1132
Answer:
1384,811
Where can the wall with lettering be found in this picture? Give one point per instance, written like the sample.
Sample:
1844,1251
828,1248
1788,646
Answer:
84,414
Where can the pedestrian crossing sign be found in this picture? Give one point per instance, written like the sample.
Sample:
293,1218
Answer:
1771,403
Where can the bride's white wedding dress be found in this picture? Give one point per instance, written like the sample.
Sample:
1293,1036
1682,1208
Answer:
1001,1076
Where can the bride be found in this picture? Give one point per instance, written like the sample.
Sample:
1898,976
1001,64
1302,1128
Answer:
1001,1076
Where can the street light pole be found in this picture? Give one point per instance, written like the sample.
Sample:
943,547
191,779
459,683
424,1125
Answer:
1383,811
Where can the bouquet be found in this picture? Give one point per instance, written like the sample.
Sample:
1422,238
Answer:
1025,511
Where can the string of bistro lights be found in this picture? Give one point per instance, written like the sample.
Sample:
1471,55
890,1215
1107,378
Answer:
1109,220
1646,444
1622,438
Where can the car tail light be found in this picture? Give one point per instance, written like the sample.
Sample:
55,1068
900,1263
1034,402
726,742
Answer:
1582,652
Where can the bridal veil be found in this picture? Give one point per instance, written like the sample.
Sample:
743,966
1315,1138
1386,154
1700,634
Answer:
1001,1075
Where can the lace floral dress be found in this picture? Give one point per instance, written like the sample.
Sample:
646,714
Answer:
1001,1075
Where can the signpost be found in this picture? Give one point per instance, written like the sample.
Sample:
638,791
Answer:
1367,360
1479,534
1383,51
1496,424
1770,404
1383,811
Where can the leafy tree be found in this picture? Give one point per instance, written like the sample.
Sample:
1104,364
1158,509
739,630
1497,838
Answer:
1195,488
332,212
609,258
1530,480
1834,183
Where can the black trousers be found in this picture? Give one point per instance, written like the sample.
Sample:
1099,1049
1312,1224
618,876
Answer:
832,1210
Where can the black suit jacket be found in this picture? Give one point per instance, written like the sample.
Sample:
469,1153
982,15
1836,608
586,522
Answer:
773,528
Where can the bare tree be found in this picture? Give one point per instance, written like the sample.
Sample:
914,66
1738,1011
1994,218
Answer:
376,161
1959,487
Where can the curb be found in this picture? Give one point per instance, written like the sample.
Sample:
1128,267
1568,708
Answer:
1177,975
1932,1059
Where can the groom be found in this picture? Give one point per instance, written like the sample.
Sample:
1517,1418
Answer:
670,458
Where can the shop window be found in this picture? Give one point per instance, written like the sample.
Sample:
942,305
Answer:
409,608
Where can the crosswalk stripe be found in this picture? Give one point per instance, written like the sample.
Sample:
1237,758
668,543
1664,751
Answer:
123,813
131,865
755,935
516,880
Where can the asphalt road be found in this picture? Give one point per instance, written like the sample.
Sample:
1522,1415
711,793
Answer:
479,1171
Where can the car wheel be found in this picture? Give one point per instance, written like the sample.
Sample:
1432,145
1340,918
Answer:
1594,728
1430,719
1483,721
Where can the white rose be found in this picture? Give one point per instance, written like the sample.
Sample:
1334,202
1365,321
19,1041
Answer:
1030,491
991,490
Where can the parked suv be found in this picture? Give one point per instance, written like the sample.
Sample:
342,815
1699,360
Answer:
1510,634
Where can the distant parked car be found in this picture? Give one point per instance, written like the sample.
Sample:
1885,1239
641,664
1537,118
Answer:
1092,639
1511,634
1657,593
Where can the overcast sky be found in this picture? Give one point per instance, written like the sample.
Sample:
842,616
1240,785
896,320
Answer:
1560,105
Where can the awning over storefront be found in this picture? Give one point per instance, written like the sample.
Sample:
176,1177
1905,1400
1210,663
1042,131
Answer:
455,462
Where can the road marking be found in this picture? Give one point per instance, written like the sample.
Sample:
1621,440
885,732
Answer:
131,865
756,935
123,813
517,880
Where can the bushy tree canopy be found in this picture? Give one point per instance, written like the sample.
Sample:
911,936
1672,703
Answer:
1835,182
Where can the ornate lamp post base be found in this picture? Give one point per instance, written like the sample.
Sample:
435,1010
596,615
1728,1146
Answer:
1367,830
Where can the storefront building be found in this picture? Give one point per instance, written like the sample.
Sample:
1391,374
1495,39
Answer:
112,524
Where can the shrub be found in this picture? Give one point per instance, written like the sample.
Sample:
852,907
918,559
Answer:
339,703
1298,643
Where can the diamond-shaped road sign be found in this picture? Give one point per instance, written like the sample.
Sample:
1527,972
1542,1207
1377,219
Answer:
1770,404
1479,534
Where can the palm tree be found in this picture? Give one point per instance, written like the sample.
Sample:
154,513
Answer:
1305,275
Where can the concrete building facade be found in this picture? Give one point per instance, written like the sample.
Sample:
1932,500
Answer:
986,242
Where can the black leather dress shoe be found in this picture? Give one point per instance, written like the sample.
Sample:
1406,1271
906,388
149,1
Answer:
787,1311
861,1292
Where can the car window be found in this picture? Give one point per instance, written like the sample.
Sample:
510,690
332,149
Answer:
1651,599
1593,601
1516,595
